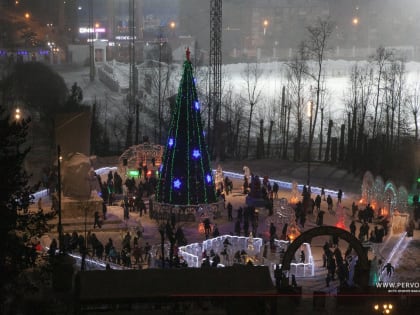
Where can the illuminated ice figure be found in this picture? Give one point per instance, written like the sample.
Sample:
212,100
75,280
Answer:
218,175
250,242
247,173
295,192
378,191
352,260
367,187
389,199
339,214
402,198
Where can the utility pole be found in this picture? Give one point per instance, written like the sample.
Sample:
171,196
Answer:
59,227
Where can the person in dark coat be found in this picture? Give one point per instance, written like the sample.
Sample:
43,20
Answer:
353,228
230,209
320,218
97,222
318,202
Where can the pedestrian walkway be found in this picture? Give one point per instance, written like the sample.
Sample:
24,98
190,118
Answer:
115,227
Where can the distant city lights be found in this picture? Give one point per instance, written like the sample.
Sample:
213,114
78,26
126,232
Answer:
84,30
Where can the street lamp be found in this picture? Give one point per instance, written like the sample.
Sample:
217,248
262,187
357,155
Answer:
310,106
265,24
172,25
355,21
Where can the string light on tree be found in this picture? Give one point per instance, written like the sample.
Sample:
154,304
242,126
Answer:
185,177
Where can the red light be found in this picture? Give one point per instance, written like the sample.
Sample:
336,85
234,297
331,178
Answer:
340,225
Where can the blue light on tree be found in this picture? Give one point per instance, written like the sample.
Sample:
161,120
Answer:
196,154
177,183
197,105
170,142
208,178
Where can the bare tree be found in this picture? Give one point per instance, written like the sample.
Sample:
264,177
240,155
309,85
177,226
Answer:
381,58
271,116
400,69
159,86
414,105
317,47
251,75
297,71
356,105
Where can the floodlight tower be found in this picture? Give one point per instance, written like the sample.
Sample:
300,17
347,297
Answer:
215,69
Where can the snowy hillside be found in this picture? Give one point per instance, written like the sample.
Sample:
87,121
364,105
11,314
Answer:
273,78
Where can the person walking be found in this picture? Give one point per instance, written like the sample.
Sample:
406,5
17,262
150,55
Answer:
389,269
318,202
330,204
339,195
353,228
230,209
302,256
97,222
320,218
275,190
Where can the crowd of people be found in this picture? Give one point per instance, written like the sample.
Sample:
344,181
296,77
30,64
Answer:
245,220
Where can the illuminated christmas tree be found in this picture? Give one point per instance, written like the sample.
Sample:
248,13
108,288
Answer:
185,175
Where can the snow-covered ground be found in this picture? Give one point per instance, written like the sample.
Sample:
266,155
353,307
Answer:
337,83
114,109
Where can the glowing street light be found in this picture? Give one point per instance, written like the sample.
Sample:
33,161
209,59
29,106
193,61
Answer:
265,24
18,114
27,15
172,24
355,21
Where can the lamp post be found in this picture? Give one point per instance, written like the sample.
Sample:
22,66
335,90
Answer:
59,227
265,24
310,105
